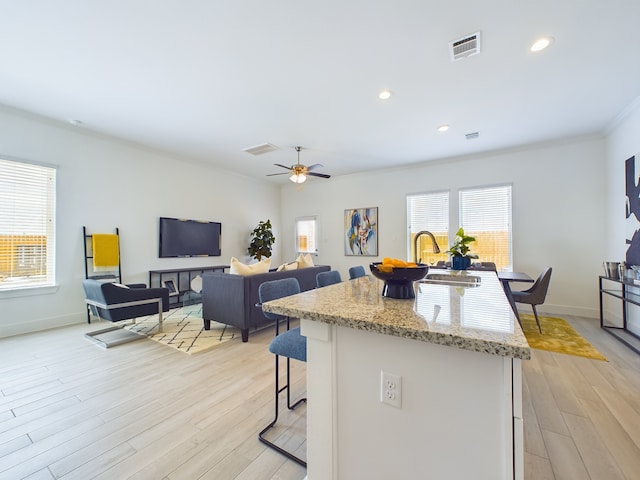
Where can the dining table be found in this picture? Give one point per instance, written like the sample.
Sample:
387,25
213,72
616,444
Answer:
506,278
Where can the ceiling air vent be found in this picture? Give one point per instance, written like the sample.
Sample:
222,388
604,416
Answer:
465,46
471,136
260,149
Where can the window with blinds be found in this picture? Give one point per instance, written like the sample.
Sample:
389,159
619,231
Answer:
485,213
27,225
428,211
306,238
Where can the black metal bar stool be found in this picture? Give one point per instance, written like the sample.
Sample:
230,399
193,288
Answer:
289,344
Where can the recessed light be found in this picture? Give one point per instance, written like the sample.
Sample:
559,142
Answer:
443,128
75,122
384,94
541,44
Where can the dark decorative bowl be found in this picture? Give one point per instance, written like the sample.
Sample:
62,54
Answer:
398,283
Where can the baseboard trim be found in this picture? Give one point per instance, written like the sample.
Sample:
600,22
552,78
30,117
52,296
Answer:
551,310
41,324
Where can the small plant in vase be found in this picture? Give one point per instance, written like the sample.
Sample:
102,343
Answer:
460,251
261,241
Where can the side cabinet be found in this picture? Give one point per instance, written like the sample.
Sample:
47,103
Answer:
626,292
178,281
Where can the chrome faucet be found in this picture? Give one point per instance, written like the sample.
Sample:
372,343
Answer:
436,248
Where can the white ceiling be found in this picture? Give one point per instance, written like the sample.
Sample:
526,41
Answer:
205,79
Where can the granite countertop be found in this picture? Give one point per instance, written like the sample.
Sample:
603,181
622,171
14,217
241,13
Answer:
470,318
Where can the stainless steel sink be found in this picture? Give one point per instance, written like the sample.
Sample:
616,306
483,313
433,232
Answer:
453,280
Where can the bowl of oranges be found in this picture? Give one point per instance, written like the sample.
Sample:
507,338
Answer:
398,276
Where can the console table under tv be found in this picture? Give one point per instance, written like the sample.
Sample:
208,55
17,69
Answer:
180,279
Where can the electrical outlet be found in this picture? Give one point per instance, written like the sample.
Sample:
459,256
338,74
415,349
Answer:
391,389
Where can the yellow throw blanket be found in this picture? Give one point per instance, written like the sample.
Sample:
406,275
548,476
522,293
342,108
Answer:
106,254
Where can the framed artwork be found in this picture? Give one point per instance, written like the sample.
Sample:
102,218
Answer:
632,192
361,232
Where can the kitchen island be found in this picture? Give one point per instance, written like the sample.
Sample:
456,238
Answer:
457,351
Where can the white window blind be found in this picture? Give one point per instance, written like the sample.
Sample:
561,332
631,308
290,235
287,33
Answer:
485,213
428,211
27,225
306,235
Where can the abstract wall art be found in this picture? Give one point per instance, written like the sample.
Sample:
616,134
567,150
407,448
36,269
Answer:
361,231
632,210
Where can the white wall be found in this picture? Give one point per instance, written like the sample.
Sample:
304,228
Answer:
558,212
622,143
103,184
566,200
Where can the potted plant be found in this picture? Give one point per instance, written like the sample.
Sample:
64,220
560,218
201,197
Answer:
459,251
261,240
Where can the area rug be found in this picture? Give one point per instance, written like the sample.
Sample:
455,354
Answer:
557,336
183,330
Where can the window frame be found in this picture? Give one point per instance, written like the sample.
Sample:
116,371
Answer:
470,230
313,219
455,216
444,238
41,223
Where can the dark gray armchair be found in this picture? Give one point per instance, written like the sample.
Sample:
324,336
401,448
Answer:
114,303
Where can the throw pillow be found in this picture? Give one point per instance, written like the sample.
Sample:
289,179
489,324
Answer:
287,267
305,261
236,267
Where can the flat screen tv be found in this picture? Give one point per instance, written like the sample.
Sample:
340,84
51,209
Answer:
189,238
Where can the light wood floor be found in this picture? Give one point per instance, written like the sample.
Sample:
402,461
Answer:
71,410
582,417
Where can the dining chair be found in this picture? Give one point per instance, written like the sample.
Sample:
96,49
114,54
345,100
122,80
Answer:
324,279
484,266
289,344
356,272
536,294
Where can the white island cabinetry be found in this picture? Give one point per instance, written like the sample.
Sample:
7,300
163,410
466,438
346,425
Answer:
458,352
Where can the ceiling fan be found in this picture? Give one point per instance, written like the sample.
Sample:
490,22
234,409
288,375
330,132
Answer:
300,172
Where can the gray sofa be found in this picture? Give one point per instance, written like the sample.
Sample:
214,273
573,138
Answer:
231,299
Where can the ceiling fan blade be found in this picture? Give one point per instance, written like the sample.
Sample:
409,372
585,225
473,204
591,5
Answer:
273,174
314,166
278,165
322,175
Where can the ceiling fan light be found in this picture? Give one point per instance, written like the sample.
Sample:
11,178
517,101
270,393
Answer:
298,178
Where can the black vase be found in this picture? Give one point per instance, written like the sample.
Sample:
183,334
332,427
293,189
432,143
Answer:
460,263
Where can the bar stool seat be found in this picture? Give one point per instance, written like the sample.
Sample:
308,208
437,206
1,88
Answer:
290,344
